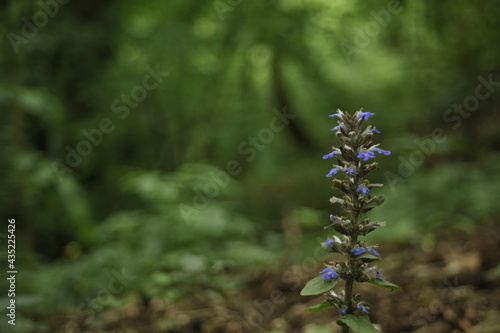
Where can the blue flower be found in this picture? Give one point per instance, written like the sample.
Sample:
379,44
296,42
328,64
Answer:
333,171
374,252
364,115
379,274
335,239
365,155
334,218
336,128
381,151
341,311
338,114
332,154
363,189
350,171
359,251
328,274
364,308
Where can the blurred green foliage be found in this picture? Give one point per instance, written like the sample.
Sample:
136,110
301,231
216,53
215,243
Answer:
227,72
447,196
155,250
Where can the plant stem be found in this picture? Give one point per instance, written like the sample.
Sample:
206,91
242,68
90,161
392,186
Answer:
349,283
348,295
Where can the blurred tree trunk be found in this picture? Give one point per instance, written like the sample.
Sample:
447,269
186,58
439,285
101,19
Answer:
285,103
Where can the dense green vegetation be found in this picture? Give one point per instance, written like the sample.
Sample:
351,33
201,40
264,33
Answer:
182,141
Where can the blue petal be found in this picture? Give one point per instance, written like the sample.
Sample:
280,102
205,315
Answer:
365,115
374,252
332,172
336,128
363,189
365,155
381,151
332,154
350,171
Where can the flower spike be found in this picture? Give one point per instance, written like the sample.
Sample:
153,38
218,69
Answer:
356,155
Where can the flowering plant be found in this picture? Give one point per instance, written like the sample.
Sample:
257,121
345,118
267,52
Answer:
353,164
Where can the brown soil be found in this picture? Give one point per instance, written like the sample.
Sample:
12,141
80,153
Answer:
452,288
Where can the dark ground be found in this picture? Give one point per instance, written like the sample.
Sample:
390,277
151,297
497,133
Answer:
453,288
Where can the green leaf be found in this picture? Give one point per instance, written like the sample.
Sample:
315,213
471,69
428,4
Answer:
340,228
360,324
319,307
341,185
383,284
367,257
372,203
317,286
369,227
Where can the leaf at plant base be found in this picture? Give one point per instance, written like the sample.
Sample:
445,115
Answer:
384,284
320,306
317,286
360,324
367,257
